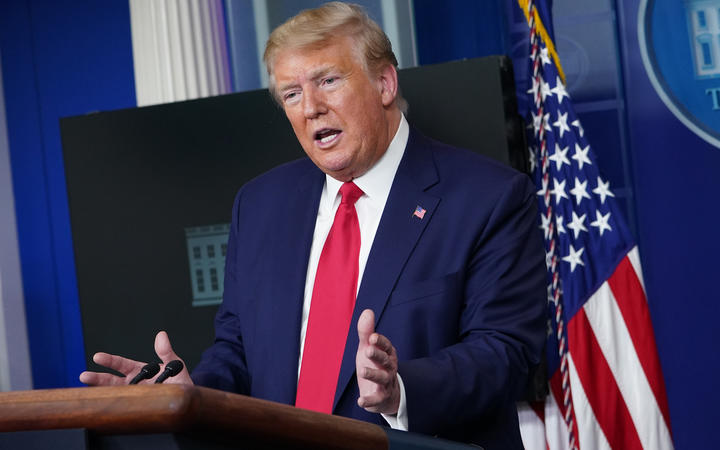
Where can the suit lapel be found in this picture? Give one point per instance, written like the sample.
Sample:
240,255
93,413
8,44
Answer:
397,235
291,251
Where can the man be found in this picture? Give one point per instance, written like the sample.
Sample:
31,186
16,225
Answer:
438,245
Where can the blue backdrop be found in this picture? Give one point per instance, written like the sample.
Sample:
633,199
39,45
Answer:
677,193
59,58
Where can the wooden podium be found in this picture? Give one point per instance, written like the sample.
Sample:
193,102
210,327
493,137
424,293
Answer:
171,416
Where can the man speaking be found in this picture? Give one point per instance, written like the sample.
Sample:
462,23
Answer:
386,277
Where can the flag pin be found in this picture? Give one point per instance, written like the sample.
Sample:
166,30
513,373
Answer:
419,212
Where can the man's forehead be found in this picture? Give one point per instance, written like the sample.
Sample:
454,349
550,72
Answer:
294,64
329,49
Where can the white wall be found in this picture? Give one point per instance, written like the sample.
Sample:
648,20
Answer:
15,371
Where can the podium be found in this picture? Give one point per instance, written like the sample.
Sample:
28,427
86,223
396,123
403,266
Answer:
183,417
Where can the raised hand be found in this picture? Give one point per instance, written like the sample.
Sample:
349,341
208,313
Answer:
376,364
130,368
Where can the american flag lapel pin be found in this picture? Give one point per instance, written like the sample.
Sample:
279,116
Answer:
419,212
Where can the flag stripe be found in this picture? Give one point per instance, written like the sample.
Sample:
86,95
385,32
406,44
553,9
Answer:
533,430
556,431
539,408
556,388
590,434
634,257
613,337
599,385
630,298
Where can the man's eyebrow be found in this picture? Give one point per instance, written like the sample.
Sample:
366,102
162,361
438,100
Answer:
287,86
314,75
321,72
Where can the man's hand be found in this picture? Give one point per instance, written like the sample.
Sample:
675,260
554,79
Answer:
376,364
130,368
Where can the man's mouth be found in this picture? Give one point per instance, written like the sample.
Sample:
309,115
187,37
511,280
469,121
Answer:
326,135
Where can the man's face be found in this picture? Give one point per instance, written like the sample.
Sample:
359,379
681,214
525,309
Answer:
343,117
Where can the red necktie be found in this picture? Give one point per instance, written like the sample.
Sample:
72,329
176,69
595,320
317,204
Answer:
331,308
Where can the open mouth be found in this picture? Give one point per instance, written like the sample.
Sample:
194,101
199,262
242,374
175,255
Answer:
326,136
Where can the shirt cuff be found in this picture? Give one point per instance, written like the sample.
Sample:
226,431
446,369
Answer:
399,421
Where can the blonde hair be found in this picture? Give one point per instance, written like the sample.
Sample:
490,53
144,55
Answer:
315,28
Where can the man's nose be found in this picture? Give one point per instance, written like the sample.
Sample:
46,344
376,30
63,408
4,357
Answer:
313,103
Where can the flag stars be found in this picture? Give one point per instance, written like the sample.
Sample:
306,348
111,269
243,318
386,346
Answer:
559,191
559,157
545,56
545,225
560,227
576,124
559,91
550,297
532,157
541,121
577,224
603,190
561,124
579,191
546,121
544,90
548,260
533,53
574,258
549,330
601,222
581,155
542,191
537,121
534,89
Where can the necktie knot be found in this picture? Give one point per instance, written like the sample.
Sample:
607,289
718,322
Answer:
350,193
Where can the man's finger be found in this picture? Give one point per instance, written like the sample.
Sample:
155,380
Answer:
371,402
381,342
366,326
377,376
166,354
379,357
163,348
117,363
101,379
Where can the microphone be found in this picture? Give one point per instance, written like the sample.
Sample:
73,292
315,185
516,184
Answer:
148,371
171,369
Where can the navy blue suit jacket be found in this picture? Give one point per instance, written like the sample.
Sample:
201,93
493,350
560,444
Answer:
460,293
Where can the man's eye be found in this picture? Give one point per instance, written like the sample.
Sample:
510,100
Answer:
289,96
330,80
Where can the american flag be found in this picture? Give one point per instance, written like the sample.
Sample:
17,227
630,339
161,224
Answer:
606,385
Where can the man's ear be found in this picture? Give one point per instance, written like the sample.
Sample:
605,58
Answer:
388,84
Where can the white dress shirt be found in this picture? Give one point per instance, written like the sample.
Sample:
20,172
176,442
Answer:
375,184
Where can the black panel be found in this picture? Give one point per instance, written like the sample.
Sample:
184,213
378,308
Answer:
137,178
70,439
470,104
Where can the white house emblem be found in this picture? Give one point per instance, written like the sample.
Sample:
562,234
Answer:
680,48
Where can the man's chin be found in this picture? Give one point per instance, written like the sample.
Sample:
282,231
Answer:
341,170
340,175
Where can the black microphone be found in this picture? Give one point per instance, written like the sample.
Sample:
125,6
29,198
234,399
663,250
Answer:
148,371
171,369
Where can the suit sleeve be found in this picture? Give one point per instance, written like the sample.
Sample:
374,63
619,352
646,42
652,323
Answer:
223,365
501,325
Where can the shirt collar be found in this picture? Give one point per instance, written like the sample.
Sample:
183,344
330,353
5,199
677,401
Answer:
377,181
